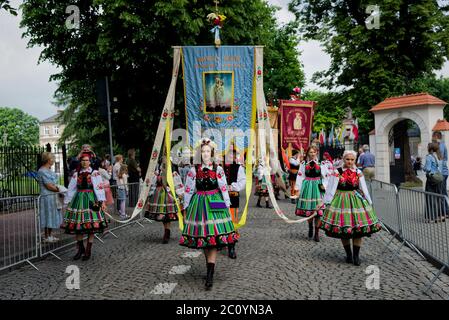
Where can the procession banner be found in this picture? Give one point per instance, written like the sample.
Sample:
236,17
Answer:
296,123
218,88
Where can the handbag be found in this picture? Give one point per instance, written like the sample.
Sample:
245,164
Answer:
437,177
217,204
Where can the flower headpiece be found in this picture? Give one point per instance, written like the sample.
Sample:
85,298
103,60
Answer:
216,20
206,142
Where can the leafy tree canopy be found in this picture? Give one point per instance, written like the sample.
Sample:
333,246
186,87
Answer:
18,128
130,41
371,64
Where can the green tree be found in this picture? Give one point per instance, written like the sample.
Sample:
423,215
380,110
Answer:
5,5
372,64
329,109
130,41
18,128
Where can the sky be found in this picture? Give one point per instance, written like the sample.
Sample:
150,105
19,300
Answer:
25,84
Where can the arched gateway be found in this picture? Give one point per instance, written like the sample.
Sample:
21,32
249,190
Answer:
415,116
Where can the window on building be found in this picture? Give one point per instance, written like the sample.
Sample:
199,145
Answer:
46,131
55,129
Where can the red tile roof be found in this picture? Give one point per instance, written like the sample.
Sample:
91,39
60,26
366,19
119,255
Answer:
410,100
441,125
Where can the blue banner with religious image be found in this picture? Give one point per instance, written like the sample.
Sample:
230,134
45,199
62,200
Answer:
218,87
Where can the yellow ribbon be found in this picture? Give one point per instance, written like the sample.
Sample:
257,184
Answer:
170,181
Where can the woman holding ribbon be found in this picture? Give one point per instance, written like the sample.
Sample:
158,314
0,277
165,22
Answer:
85,213
349,213
207,221
161,204
311,185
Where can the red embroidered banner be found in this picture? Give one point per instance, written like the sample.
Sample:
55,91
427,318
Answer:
296,123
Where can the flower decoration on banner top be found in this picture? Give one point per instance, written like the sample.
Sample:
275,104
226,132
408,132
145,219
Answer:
217,21
218,119
297,90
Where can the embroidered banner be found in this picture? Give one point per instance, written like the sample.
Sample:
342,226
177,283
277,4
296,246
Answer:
218,87
296,123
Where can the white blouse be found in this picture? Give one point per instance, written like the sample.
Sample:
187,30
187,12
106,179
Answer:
333,185
302,174
190,186
97,182
241,181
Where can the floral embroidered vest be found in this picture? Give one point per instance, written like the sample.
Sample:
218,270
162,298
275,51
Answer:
313,170
348,180
206,179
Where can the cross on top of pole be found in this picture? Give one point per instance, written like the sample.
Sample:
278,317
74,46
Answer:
216,5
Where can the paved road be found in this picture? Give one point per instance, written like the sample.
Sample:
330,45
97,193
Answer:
275,261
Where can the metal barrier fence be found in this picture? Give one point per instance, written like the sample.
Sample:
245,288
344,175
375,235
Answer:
423,215
19,231
384,197
24,220
417,219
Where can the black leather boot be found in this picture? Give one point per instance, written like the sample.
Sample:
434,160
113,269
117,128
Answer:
81,250
348,253
316,236
210,276
310,230
88,252
258,203
231,251
267,205
166,236
356,251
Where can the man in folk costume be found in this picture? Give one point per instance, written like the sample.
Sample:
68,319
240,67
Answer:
294,168
236,178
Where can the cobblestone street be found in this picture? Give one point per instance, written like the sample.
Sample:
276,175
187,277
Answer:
275,261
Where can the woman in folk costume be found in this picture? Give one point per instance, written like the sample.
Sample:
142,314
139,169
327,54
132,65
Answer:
311,185
236,179
161,205
207,221
261,185
85,213
295,163
349,213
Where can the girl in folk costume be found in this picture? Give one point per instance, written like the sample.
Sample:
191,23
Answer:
208,223
349,213
295,162
261,185
161,205
311,185
85,212
236,179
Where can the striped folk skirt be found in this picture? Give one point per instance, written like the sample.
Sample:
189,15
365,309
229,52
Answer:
82,217
205,227
310,198
162,206
349,215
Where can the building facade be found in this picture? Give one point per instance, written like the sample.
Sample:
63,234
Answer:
50,130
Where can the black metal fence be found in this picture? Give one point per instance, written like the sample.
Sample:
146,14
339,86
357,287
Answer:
19,166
